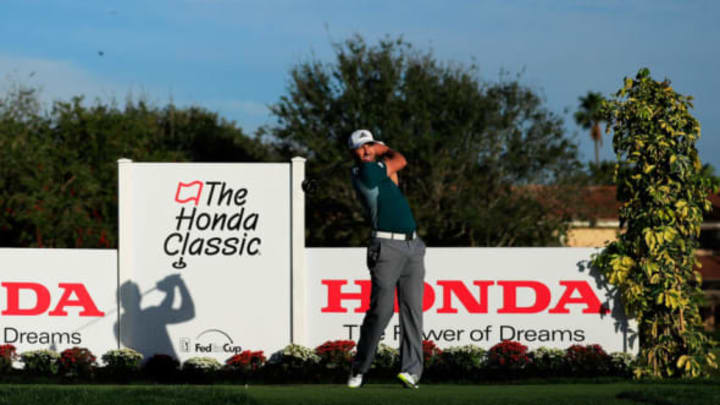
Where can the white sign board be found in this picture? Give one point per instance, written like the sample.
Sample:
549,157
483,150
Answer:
537,296
58,298
205,258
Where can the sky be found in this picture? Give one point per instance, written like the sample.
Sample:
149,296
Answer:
234,57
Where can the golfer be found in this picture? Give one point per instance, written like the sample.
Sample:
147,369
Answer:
395,258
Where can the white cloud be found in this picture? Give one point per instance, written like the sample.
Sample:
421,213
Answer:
60,79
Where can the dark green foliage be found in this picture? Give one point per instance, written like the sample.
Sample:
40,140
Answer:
473,148
162,368
601,174
58,169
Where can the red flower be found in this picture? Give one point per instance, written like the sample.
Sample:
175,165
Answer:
8,352
246,360
335,351
509,354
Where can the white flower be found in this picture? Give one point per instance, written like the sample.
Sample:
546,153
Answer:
205,364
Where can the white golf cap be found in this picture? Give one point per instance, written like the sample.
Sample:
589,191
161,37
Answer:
359,138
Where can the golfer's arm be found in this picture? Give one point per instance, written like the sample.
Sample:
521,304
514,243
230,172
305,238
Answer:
394,178
394,162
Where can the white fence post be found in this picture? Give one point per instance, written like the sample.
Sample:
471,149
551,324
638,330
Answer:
124,255
298,331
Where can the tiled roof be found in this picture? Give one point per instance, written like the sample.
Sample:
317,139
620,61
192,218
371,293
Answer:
710,268
714,214
600,203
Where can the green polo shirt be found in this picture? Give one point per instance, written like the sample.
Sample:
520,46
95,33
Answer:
386,206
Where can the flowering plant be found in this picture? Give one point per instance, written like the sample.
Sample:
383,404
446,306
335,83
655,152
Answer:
122,361
508,355
295,356
464,358
335,353
41,362
246,361
201,370
8,354
622,363
293,363
386,357
587,360
202,365
548,361
431,353
77,362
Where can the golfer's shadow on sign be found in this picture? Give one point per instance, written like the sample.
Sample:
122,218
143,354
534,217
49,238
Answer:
145,329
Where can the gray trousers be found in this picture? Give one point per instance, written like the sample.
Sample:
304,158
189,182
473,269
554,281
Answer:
401,264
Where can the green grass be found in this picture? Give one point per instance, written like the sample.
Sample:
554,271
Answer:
540,394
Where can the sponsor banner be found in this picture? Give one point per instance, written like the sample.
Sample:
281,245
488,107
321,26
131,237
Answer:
481,296
58,298
204,258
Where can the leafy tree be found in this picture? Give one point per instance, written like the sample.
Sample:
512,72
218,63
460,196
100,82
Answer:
58,169
479,153
663,195
601,174
589,116
708,171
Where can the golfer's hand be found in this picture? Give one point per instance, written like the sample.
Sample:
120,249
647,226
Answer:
380,149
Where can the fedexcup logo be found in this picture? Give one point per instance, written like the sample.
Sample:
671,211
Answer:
210,341
207,209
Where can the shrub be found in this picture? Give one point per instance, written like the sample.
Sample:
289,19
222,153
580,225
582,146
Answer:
548,361
431,353
663,194
589,360
336,353
41,362
201,369
621,364
508,356
77,362
295,357
293,363
8,354
246,361
204,365
386,358
461,362
122,362
162,368
464,358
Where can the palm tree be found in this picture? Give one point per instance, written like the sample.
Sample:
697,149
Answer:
589,117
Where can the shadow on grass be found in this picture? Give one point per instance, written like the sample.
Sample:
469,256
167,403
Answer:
674,396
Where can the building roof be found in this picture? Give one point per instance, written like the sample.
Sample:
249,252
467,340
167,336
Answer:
599,203
714,214
710,269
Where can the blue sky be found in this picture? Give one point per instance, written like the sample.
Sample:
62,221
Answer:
234,56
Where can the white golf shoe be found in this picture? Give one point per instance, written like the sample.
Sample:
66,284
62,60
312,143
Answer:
408,380
355,380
